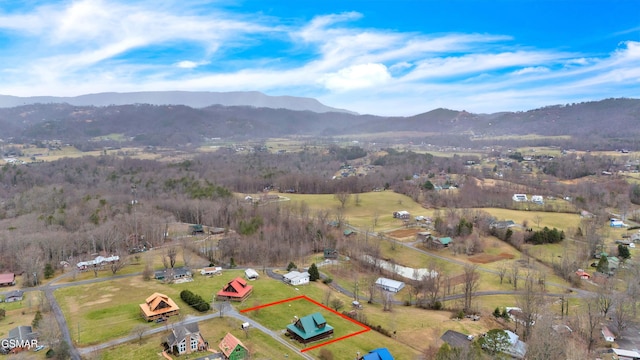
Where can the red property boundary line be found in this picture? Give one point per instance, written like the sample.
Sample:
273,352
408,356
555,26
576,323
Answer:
364,327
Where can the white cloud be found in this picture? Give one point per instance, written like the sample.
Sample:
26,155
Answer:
356,77
87,46
532,70
187,64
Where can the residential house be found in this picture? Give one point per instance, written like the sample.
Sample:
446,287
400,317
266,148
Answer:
423,236
186,339
441,242
607,334
173,274
7,279
583,274
505,224
517,315
232,348
456,339
251,274
330,253
99,262
310,328
158,306
537,199
614,263
519,197
211,270
517,349
12,296
20,338
389,284
617,223
626,354
296,278
378,354
235,290
401,214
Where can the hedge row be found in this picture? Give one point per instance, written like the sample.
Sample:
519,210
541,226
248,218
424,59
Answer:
195,301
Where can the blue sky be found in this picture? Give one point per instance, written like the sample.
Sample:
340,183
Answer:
381,57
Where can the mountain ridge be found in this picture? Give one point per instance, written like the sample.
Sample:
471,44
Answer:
610,121
194,99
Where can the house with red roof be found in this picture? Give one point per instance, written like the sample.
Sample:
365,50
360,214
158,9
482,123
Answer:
232,348
235,290
7,279
583,274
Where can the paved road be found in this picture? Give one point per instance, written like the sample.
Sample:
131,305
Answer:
76,353
230,312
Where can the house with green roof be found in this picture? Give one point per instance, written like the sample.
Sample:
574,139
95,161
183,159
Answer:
310,328
442,242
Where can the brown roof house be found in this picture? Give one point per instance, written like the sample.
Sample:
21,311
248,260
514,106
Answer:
158,306
232,348
186,339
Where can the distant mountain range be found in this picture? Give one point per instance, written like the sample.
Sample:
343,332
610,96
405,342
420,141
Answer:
192,99
611,123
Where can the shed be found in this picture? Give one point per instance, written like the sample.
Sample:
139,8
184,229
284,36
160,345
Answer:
251,274
389,284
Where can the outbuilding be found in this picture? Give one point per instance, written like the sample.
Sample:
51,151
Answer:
389,284
251,274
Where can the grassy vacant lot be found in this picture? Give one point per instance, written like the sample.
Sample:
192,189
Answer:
561,221
369,205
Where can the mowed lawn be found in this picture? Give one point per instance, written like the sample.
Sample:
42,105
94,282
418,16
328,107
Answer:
260,345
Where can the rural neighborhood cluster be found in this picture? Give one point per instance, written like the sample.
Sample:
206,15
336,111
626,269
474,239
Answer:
372,247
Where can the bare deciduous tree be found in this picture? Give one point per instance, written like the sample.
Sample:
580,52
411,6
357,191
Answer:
622,314
171,254
138,332
471,282
342,198
502,270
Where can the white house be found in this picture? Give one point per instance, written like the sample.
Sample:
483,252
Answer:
403,214
251,274
626,354
617,223
211,270
608,335
99,261
520,197
537,199
296,278
389,284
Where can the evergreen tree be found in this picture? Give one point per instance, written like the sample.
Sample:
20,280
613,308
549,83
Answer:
314,274
48,271
623,252
603,265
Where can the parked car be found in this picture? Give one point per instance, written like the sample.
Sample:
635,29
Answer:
39,347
